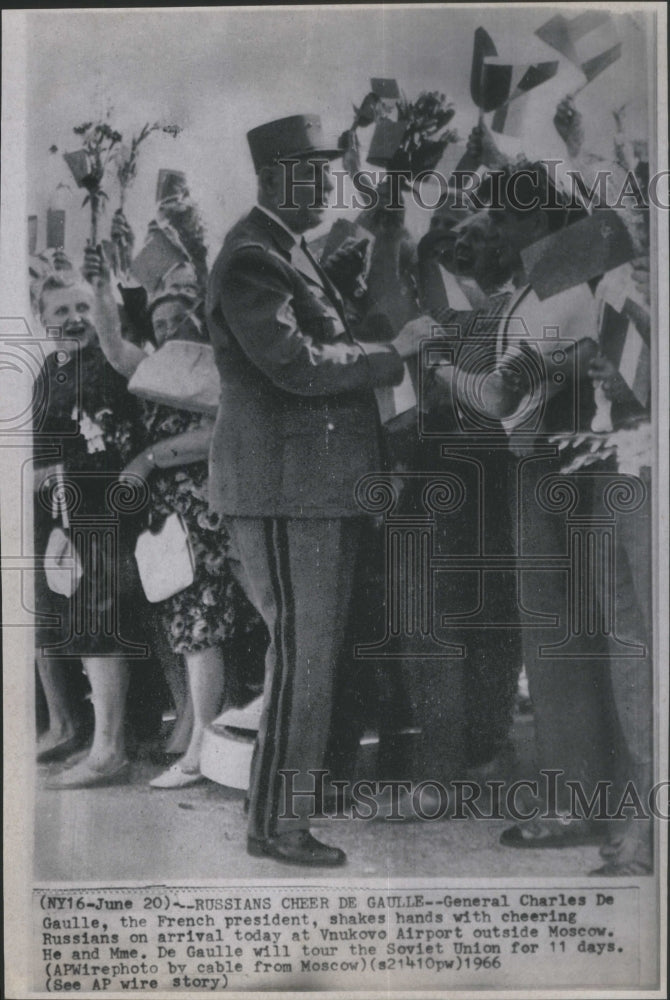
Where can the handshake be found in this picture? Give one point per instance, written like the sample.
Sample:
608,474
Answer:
409,339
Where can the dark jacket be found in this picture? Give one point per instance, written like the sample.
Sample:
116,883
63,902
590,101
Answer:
297,425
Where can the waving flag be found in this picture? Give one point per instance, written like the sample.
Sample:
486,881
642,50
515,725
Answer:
484,97
586,249
589,40
514,83
503,82
624,331
495,83
32,234
385,88
510,117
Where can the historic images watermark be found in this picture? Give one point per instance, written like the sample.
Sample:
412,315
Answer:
431,190
427,800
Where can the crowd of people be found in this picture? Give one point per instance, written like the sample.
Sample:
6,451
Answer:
289,571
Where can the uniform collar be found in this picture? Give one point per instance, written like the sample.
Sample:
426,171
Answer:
286,238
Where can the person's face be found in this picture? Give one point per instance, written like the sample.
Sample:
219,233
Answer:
515,231
182,278
166,320
298,192
480,253
71,309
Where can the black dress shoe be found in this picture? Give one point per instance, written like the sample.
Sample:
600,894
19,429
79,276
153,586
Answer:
623,869
537,834
298,847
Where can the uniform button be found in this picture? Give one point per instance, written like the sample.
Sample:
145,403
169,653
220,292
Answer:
330,426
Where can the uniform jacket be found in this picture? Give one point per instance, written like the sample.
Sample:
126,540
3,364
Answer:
297,425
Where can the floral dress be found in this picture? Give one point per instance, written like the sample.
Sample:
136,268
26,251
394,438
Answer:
213,608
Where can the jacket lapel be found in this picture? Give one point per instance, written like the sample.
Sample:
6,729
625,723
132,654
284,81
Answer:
291,249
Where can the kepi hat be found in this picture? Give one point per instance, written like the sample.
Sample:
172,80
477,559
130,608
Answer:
288,138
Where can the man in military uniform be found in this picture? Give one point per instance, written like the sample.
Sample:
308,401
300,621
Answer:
297,428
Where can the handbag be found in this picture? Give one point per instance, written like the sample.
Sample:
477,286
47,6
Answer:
165,560
182,374
62,565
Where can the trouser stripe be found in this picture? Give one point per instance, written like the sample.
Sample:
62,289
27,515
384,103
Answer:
262,766
265,801
286,621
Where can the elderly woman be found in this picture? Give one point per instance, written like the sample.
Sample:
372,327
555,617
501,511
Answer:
211,616
85,417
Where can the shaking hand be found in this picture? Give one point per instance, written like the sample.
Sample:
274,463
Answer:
409,339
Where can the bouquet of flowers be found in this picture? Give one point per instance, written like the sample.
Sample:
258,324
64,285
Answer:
409,135
88,165
425,135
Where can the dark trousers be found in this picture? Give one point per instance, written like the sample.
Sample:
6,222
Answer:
464,703
298,575
568,671
632,675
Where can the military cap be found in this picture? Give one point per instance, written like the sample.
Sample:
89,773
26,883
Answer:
287,138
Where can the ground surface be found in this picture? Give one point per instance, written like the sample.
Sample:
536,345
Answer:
133,832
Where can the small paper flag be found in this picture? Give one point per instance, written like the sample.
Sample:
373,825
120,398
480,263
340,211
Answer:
510,118
385,89
386,140
589,40
155,259
576,254
483,48
78,163
55,227
32,234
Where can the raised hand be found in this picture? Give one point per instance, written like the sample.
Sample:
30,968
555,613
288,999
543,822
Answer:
346,267
96,267
605,373
122,232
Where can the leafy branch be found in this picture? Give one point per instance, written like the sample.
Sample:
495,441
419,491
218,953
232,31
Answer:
127,159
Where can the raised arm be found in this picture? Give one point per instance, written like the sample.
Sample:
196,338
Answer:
121,354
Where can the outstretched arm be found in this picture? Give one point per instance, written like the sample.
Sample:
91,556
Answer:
120,353
182,449
255,295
